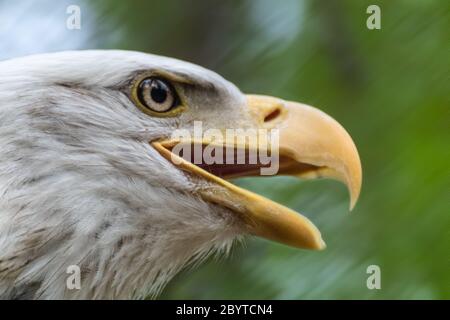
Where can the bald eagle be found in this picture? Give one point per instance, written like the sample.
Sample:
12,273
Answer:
88,177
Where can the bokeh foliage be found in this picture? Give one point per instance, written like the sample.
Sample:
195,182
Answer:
388,87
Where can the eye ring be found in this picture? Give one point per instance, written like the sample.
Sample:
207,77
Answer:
156,96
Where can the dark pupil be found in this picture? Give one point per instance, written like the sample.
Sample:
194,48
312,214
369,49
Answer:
159,91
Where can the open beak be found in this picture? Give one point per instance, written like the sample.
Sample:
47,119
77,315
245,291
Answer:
311,144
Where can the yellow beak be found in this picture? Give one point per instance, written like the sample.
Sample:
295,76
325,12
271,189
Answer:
311,145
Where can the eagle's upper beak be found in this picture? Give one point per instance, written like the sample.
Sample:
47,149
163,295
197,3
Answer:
311,145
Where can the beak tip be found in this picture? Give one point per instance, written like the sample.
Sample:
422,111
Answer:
353,201
322,245
353,180
354,194
317,242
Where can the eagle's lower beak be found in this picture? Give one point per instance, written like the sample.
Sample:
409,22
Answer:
311,145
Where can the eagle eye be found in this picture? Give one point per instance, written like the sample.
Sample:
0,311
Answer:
156,97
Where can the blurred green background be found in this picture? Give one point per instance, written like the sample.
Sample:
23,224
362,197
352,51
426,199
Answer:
389,88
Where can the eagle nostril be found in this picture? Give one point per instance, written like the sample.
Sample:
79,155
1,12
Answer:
272,115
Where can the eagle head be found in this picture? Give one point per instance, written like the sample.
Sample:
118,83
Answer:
90,176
